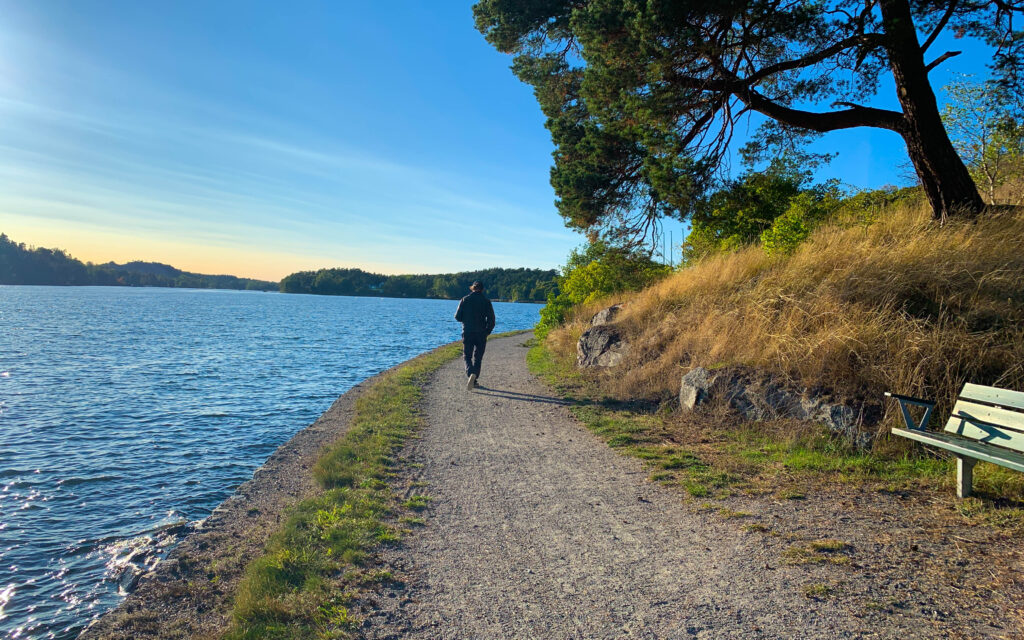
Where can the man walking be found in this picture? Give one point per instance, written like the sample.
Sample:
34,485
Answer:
476,314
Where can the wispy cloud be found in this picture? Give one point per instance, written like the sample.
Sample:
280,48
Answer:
90,146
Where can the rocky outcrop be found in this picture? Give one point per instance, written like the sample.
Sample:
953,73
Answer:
602,345
760,397
606,316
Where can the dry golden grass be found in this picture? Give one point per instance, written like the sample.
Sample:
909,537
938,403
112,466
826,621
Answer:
905,304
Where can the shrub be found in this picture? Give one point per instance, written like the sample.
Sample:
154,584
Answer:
596,271
806,212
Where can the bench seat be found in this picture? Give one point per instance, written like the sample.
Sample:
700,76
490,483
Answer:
966,447
987,424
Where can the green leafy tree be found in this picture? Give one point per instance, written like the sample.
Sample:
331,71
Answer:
504,284
596,271
986,128
737,214
806,211
642,97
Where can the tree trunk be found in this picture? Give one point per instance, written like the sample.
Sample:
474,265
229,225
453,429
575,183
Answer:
947,184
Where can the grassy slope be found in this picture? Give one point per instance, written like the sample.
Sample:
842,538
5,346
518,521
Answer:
902,304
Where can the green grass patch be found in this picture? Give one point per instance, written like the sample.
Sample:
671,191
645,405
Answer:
309,575
817,591
825,551
413,521
828,545
417,502
730,514
819,452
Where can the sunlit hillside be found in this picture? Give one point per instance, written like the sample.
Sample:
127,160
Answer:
903,303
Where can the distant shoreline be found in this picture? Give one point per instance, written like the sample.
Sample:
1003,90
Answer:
321,295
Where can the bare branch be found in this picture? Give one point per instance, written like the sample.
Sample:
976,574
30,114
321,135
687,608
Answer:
940,26
857,116
1008,7
941,59
870,40
852,105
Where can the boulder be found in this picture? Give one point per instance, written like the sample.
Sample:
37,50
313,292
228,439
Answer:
838,418
601,346
759,397
695,388
606,316
732,386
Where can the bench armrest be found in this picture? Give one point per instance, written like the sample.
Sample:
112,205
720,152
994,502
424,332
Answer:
908,420
910,399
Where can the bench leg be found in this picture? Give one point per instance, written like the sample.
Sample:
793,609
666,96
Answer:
964,476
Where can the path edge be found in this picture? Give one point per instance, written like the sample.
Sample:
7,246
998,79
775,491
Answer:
191,592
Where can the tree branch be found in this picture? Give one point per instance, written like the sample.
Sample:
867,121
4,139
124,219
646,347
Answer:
940,26
852,105
941,59
1007,6
856,116
867,39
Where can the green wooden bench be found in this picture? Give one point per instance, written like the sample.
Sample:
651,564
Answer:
987,424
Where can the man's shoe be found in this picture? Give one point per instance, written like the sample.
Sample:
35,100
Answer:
472,381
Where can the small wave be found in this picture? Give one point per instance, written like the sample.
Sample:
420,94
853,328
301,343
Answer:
10,473
5,596
214,414
76,480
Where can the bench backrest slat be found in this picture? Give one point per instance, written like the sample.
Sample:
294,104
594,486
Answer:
993,425
993,395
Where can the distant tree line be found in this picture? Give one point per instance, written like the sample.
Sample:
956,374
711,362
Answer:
519,285
20,264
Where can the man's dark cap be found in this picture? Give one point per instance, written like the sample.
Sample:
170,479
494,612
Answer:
476,285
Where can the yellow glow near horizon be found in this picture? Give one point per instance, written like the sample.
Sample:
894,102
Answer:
90,245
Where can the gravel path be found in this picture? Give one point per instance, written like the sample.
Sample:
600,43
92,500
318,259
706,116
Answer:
538,530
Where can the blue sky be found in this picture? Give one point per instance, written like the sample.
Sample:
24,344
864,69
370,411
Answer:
260,138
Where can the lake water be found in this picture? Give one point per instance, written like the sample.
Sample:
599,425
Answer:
125,412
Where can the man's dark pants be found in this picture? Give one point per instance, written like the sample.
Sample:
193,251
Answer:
473,345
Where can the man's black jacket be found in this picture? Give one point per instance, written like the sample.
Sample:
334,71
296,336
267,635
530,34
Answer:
475,313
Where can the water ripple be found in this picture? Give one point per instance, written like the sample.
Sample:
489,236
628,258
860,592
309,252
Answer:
127,413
